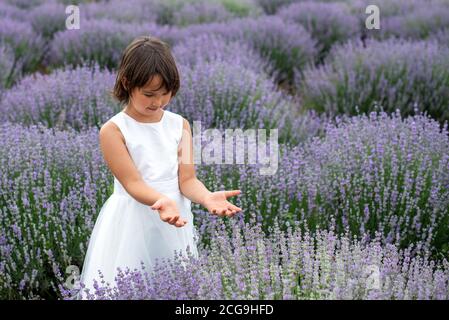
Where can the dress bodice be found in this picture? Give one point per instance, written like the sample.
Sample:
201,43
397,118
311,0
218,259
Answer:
152,146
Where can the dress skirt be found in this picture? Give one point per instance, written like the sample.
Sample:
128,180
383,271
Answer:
127,233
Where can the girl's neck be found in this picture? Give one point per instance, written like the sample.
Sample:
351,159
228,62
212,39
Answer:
156,116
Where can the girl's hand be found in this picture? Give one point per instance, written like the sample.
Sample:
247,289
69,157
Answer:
168,211
216,203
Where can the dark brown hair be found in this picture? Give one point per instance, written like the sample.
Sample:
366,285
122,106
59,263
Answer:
143,58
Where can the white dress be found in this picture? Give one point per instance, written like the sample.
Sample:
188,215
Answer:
126,231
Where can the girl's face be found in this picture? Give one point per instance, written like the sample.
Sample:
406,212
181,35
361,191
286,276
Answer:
147,100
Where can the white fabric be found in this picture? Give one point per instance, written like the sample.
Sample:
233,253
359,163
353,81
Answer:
126,231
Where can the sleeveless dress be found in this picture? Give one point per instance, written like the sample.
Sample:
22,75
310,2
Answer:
128,232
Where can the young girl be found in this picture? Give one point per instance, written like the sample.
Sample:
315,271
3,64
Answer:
149,151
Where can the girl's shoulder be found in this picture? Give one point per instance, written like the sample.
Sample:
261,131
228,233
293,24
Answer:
115,118
175,118
175,123
173,115
116,122
112,125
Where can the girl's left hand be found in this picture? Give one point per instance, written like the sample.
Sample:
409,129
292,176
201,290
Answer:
217,203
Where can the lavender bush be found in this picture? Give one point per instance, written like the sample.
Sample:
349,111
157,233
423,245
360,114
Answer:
271,7
328,23
9,68
52,184
288,46
48,18
419,24
190,52
223,95
244,263
27,45
182,12
243,8
131,11
70,97
391,73
442,37
25,4
11,11
197,12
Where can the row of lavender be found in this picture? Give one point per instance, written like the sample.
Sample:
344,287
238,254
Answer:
376,178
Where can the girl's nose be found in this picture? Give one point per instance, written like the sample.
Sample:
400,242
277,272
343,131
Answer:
157,102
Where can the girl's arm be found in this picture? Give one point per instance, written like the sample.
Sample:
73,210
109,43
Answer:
215,202
121,165
189,185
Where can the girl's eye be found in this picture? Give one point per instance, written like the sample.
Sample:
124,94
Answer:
151,95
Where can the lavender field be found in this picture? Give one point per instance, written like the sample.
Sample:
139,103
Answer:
359,205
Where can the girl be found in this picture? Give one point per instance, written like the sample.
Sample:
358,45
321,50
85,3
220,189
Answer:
148,216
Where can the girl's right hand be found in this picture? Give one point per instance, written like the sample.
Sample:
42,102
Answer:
168,211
